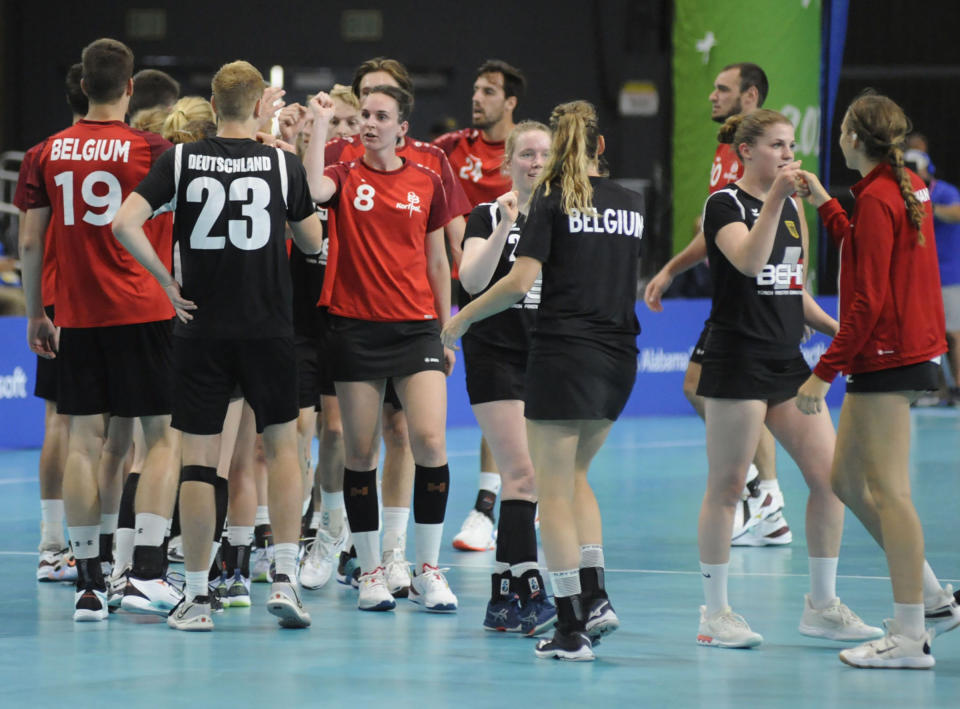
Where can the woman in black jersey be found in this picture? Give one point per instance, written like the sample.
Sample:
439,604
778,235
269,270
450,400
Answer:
756,241
495,358
584,232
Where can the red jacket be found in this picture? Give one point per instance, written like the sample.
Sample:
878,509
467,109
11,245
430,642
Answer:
891,307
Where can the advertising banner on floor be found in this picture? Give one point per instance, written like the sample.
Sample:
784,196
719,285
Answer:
783,38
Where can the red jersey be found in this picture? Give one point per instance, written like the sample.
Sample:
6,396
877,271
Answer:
83,174
726,167
378,222
416,151
891,307
22,198
477,162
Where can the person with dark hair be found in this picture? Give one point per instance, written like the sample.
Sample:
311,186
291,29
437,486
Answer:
398,462
111,336
153,88
387,291
756,240
232,198
761,521
584,232
477,155
76,99
889,343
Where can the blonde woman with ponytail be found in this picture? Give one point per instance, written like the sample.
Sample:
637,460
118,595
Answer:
752,367
584,232
889,344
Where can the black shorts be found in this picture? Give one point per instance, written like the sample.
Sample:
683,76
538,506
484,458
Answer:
362,350
309,371
493,373
700,349
391,397
124,370
577,381
207,373
923,376
736,377
45,386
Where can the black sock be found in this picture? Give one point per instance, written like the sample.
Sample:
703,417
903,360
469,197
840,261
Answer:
126,518
500,585
431,486
228,553
175,520
148,562
516,523
360,499
262,536
106,547
241,561
529,585
89,575
569,614
592,583
220,496
216,568
485,502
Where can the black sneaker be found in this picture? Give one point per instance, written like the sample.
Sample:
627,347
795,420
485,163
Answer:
600,618
348,568
574,647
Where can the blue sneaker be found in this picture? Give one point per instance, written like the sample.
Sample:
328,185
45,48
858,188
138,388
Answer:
537,615
503,616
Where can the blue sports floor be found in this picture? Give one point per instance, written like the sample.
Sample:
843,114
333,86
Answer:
649,479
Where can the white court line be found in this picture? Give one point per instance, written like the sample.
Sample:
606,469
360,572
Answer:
685,443
14,481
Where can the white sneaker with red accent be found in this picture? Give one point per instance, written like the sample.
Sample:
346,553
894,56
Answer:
476,534
429,588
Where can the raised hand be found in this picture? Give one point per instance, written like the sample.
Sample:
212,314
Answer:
509,206
322,109
291,120
270,103
810,188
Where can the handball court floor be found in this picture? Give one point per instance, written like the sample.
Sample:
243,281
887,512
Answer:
649,479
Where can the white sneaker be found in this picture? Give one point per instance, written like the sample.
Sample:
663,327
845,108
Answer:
476,534
396,573
116,583
769,531
320,560
942,612
284,602
175,550
894,651
430,589
56,565
191,615
260,570
726,629
374,595
835,622
156,596
90,604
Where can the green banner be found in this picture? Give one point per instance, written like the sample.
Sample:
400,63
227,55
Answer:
783,37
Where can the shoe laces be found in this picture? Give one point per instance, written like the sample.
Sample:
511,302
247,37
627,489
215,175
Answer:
847,616
475,520
373,578
321,547
432,574
729,619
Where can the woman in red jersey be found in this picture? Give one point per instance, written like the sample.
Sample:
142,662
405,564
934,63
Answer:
889,343
387,289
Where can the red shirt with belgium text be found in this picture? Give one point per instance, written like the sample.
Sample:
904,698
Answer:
477,162
83,174
378,222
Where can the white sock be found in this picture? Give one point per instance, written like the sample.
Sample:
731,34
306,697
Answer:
51,528
332,512
368,550
214,548
85,541
427,544
305,506
823,581
591,556
150,529
123,547
909,617
240,536
490,482
108,524
565,583
285,556
501,567
932,591
315,519
166,534
196,584
714,577
395,521
769,485
518,570
263,515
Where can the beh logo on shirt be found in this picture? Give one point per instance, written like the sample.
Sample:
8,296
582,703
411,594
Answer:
412,205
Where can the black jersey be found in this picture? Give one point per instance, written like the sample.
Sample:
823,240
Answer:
589,265
510,329
763,315
306,272
231,199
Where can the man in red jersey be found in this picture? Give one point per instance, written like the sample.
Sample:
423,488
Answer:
113,318
477,157
738,88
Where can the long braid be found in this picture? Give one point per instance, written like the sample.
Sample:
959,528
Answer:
915,210
574,147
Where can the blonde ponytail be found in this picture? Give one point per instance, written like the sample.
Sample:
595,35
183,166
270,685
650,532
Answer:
576,137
